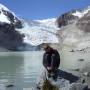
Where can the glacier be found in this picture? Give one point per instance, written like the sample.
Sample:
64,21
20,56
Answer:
44,32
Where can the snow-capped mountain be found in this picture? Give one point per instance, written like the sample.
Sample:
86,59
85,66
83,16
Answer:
9,38
7,16
72,16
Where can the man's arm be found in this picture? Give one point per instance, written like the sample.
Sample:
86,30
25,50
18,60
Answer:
45,60
55,60
58,59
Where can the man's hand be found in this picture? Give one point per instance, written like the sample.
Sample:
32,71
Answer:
49,68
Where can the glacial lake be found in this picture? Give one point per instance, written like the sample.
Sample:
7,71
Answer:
21,69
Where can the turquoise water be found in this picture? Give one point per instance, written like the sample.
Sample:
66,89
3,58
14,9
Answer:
21,69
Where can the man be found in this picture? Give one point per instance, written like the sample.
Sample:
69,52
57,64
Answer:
51,62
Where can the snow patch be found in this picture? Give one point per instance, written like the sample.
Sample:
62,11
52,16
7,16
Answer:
82,13
78,14
4,18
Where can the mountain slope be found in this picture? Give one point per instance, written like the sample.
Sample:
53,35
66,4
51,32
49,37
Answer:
9,38
76,32
72,31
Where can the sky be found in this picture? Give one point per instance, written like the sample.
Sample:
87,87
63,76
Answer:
43,9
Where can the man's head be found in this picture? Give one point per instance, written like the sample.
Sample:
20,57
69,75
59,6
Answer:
46,46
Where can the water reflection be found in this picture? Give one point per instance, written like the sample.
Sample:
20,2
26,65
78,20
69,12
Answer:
11,67
20,69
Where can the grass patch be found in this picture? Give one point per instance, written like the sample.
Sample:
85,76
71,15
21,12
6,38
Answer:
48,86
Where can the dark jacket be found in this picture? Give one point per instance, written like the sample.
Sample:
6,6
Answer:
51,59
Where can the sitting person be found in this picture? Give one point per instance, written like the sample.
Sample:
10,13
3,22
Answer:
51,62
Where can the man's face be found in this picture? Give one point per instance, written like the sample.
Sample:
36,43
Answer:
45,47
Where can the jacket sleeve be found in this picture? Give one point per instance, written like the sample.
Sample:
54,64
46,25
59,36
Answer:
55,60
45,60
